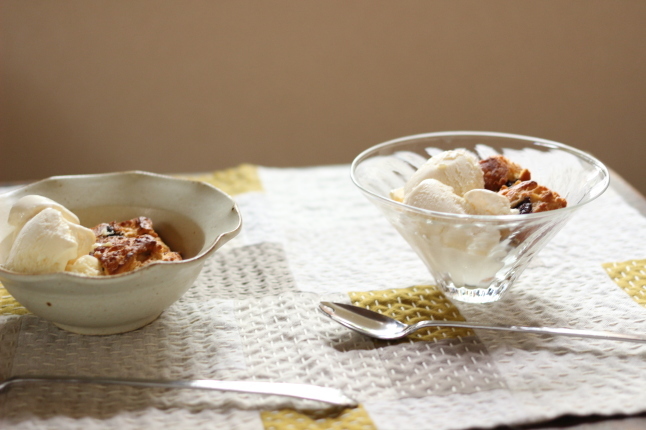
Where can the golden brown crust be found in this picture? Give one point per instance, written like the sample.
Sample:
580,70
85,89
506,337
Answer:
499,171
128,245
528,197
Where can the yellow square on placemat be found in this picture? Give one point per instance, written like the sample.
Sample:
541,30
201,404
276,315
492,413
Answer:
236,180
348,419
631,277
9,305
413,304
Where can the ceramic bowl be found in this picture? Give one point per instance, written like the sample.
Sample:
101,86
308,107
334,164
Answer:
476,258
193,218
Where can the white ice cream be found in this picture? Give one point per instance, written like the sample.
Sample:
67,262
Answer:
486,202
85,265
47,238
458,169
434,195
29,206
453,182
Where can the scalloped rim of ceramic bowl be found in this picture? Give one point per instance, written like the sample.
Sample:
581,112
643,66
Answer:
536,140
231,219
203,254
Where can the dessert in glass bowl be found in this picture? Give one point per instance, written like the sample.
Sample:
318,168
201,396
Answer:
456,181
477,206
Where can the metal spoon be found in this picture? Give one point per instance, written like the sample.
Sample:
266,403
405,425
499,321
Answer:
301,391
379,326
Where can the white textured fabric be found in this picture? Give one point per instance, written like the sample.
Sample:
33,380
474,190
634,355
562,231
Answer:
334,239
252,314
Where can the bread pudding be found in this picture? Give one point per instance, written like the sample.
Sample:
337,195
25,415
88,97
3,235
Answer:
125,246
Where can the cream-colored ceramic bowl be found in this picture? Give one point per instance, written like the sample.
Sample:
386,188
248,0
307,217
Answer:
192,217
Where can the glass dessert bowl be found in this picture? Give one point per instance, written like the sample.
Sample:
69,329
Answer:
476,256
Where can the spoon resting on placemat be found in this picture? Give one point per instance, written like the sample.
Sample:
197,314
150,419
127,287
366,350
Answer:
379,326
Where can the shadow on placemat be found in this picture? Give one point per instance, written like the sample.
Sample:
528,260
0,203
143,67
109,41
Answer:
595,422
51,400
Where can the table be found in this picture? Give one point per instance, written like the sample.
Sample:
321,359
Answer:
309,235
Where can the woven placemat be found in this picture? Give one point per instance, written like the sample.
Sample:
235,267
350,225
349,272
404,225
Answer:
308,236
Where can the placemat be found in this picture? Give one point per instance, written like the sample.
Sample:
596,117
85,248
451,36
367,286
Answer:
309,235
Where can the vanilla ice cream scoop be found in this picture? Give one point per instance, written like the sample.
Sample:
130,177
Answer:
453,182
458,168
485,202
47,237
434,195
85,265
28,206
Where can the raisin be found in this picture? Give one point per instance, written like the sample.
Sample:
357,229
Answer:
525,207
109,231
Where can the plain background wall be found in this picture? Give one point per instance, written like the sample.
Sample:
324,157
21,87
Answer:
185,86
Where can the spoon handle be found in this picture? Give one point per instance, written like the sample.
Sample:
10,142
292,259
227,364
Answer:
594,334
301,391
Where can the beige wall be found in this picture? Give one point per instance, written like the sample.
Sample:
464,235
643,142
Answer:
181,86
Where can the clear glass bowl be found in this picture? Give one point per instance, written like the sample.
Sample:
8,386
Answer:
476,258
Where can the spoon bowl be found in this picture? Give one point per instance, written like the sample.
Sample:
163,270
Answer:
380,326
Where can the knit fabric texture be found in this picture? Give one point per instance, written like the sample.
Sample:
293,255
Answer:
309,235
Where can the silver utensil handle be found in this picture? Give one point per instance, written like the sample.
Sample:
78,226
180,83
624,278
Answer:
593,334
300,391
